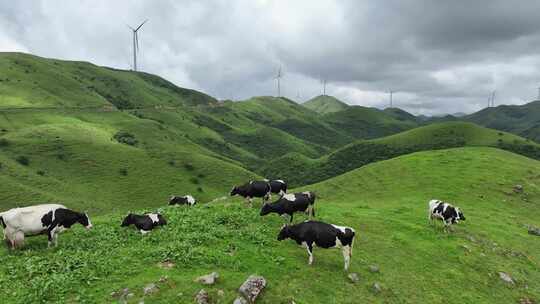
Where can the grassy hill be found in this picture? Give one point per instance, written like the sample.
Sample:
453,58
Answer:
325,104
522,119
366,123
299,169
385,202
29,81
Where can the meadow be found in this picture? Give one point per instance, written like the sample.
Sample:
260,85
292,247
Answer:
385,202
110,141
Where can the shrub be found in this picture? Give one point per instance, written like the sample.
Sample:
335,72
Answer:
40,172
124,137
23,160
189,167
123,172
4,142
194,180
200,189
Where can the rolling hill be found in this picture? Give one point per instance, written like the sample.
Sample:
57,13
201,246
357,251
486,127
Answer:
523,120
299,169
324,104
385,202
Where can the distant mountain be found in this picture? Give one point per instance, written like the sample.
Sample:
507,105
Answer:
523,120
324,104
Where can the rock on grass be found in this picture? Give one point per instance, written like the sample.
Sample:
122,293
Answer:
202,297
209,279
252,287
506,278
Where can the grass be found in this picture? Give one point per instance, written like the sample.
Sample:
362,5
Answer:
298,169
385,202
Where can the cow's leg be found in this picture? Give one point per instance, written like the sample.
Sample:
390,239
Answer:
55,238
50,236
347,252
143,232
291,215
309,247
249,201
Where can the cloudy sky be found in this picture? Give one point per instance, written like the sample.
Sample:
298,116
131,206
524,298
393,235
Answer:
440,56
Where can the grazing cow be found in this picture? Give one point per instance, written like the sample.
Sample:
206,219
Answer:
277,186
445,212
50,219
144,223
290,203
253,189
322,235
182,200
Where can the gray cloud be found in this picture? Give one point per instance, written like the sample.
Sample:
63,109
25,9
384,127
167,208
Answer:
441,57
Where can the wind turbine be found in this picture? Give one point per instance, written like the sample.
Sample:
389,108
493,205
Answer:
324,86
278,77
136,43
493,99
391,101
538,98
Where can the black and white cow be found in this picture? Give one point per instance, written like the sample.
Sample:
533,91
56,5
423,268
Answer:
290,203
253,189
182,200
310,233
144,223
278,186
445,212
49,219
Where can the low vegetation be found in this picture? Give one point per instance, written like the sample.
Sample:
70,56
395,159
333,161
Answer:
385,202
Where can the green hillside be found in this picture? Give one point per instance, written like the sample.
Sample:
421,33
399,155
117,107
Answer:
366,123
29,81
299,169
325,104
385,202
48,156
521,119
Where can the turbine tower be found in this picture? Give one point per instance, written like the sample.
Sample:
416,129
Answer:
391,100
278,77
136,43
324,86
538,98
493,99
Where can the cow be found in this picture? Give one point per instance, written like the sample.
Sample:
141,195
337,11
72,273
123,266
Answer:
277,186
445,212
290,203
322,235
49,219
182,200
144,223
253,189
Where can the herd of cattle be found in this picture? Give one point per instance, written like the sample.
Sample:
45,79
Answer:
51,219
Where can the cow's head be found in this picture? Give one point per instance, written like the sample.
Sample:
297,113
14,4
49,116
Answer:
460,216
234,191
285,233
266,208
128,220
161,220
85,220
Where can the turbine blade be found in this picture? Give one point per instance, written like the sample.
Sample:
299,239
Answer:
141,25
